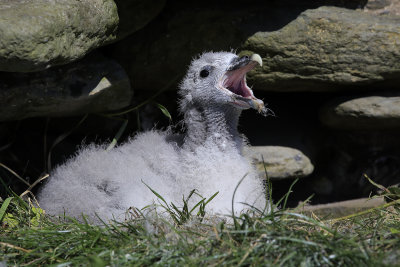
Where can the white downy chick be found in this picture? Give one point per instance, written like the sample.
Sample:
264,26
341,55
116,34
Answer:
208,157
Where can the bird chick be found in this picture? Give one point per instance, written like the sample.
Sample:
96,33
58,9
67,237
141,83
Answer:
207,157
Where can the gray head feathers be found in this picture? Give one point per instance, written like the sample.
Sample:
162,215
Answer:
107,183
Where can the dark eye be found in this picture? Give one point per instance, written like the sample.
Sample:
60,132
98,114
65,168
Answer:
204,73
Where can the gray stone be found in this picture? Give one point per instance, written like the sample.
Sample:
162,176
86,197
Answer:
92,85
383,7
280,162
364,113
184,29
328,48
342,208
377,4
38,34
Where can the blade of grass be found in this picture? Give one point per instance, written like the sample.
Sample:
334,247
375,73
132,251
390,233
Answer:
233,201
21,202
366,211
117,136
180,213
297,240
4,207
288,257
198,204
157,194
310,220
211,198
165,111
376,184
15,174
3,244
289,192
286,196
34,184
269,185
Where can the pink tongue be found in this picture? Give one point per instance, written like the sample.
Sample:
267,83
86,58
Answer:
235,90
240,88
236,83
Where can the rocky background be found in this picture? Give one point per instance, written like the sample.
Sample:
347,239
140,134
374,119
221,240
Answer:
331,74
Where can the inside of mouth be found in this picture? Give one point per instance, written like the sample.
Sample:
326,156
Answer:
235,81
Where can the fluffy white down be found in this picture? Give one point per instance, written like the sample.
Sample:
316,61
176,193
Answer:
107,183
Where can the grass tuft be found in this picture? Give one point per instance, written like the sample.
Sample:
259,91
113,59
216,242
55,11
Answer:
283,237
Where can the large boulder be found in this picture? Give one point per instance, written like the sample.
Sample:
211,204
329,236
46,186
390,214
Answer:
328,48
157,55
364,113
279,162
94,84
38,34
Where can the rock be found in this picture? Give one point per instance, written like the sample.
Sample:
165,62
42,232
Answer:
342,208
377,4
364,113
38,34
94,84
383,7
280,162
328,48
184,29
135,14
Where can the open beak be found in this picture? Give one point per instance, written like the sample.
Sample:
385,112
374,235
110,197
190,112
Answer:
234,82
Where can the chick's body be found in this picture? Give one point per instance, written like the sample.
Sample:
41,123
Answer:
97,182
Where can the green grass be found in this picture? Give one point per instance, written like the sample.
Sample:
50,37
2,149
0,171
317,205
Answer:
282,238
